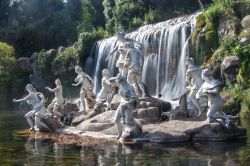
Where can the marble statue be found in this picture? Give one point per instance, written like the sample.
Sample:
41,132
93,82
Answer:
123,70
58,101
211,88
86,94
108,89
127,104
134,62
194,81
34,117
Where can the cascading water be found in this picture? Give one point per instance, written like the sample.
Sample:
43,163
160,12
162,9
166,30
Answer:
165,50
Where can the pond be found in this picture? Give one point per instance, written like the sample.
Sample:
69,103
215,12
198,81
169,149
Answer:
16,150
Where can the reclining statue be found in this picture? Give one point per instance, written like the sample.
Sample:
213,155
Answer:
58,101
127,104
86,94
211,88
34,117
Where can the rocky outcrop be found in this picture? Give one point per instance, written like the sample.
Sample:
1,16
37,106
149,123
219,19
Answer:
246,22
178,131
229,26
229,69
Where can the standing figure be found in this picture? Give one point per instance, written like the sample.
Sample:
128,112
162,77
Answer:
134,62
211,89
194,80
108,89
123,70
86,94
58,101
36,99
127,105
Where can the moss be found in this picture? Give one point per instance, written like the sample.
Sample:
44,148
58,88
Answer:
195,35
245,107
243,76
200,21
233,96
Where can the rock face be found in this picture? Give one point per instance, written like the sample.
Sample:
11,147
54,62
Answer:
177,131
228,26
53,123
229,69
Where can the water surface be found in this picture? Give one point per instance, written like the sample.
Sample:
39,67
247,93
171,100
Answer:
16,150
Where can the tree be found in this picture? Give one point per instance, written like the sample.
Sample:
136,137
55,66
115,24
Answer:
88,12
7,56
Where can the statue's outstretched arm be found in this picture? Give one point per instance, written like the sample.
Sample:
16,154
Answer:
52,90
112,52
23,99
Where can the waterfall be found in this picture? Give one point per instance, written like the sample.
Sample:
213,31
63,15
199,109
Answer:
165,50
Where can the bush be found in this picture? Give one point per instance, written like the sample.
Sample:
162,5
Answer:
245,107
234,99
65,61
43,63
86,41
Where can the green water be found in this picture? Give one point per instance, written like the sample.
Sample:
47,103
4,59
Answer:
15,150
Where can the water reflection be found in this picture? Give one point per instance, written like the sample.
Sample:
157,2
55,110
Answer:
40,150
44,151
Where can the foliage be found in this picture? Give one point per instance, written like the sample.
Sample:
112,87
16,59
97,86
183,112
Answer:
86,40
234,99
245,107
151,16
43,63
87,22
7,56
64,61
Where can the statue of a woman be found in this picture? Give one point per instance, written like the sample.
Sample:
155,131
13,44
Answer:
86,92
107,91
211,88
58,101
194,80
36,99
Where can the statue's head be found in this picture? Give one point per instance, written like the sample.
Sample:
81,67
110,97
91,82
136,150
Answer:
105,72
120,35
128,45
57,81
78,69
190,61
29,87
206,74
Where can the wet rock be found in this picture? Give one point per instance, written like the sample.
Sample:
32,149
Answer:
188,130
52,122
229,69
130,132
148,115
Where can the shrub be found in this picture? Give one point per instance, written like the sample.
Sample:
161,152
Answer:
234,99
7,56
43,63
65,60
245,107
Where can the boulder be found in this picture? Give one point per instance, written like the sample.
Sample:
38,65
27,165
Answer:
52,122
229,69
147,115
81,116
245,22
229,26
